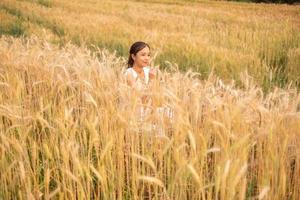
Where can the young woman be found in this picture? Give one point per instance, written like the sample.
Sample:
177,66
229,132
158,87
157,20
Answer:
139,76
138,73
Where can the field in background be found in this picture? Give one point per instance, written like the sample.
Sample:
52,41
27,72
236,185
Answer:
228,37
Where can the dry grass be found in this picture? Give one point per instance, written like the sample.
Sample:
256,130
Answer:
68,130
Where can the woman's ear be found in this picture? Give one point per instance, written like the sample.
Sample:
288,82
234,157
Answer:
133,57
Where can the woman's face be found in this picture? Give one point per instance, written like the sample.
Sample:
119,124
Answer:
142,58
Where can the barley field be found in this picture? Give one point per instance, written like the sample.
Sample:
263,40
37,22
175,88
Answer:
224,122
69,130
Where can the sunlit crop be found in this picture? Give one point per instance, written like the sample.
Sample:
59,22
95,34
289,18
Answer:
69,130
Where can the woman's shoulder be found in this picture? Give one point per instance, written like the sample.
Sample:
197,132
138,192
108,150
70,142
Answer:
129,71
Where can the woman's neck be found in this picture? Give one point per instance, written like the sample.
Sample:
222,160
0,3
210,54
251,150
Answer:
137,69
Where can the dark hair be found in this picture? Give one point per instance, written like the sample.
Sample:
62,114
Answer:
134,49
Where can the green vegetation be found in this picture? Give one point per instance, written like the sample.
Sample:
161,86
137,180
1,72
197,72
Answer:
15,28
228,37
46,3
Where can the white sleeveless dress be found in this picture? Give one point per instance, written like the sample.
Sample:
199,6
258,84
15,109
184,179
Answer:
139,83
143,111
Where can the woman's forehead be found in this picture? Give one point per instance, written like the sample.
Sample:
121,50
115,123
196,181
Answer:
144,50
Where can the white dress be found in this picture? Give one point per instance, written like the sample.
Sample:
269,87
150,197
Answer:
144,110
139,84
